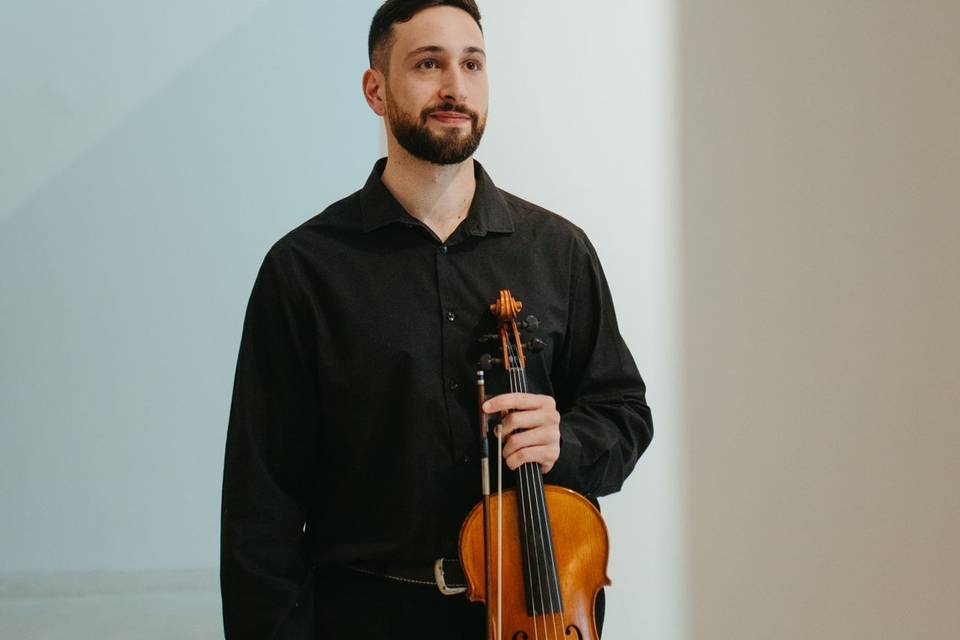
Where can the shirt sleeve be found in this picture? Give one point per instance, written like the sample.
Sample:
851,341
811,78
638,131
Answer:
273,415
605,423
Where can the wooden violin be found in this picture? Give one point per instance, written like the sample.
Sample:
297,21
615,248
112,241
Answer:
536,555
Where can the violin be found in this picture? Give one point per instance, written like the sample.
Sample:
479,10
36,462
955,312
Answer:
535,555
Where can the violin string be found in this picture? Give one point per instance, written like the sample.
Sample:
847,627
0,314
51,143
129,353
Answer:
499,534
525,507
538,493
525,470
553,585
541,560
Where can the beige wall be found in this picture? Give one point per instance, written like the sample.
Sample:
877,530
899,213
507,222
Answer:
582,122
820,198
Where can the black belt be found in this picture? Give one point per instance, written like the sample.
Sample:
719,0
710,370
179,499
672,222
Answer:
446,574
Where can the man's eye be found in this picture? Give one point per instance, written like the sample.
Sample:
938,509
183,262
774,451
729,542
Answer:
473,65
428,64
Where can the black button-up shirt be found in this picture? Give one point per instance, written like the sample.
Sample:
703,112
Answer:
353,433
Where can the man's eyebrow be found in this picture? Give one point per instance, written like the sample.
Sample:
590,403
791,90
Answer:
432,48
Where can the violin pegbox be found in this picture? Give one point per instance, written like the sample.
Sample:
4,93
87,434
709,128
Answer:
506,309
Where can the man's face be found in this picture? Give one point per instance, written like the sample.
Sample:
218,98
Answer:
436,86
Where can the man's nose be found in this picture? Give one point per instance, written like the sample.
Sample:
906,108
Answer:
454,88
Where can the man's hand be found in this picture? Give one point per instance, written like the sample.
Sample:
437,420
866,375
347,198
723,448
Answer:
531,430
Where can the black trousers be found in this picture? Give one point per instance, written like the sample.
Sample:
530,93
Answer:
353,605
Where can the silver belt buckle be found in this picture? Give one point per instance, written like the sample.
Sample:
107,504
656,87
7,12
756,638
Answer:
441,584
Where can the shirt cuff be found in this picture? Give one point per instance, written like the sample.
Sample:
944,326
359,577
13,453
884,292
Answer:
566,470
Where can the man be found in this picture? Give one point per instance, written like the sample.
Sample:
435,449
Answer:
352,447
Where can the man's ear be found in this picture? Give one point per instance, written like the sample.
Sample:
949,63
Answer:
374,90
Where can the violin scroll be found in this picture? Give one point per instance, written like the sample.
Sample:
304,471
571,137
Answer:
506,308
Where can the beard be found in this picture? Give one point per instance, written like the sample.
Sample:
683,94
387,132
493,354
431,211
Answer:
452,146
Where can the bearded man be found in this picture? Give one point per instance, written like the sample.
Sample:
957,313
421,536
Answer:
352,445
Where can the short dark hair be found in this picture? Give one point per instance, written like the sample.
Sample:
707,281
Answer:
394,11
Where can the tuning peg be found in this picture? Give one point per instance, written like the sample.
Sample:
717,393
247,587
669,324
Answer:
535,345
531,323
487,361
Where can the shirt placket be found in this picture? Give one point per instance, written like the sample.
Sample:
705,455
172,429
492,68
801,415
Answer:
451,336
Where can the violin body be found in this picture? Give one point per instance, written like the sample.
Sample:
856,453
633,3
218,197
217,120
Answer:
580,545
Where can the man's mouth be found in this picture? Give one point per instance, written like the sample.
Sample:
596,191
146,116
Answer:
453,117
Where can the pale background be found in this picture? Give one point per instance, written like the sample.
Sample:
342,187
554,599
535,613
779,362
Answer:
772,187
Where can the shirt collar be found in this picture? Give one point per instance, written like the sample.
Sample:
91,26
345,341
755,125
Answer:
488,210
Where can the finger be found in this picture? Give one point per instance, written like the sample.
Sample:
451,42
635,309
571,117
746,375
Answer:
543,455
530,419
516,401
518,441
531,438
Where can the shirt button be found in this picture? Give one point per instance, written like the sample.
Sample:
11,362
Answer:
465,458
443,249
454,385
451,316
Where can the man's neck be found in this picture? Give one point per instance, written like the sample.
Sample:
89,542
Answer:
437,195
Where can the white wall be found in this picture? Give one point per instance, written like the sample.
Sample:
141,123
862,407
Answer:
581,122
820,201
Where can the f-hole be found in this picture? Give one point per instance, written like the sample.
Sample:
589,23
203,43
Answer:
573,629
